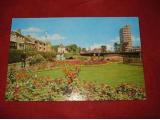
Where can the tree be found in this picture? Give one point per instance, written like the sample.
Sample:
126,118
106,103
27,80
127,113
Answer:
116,47
19,31
55,47
83,50
72,48
28,36
103,48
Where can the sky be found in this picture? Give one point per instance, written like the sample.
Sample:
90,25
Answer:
88,32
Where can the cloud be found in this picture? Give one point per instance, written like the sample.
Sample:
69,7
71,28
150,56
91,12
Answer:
49,37
109,44
110,47
136,41
31,29
56,36
116,39
135,38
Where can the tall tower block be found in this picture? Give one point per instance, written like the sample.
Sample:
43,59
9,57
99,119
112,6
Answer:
125,38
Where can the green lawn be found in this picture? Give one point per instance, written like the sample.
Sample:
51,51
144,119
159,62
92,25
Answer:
111,73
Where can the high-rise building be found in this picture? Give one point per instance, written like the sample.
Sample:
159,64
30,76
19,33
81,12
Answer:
125,38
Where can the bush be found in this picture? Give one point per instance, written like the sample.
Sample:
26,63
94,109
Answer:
15,55
23,85
48,55
68,55
11,75
83,58
28,87
31,53
131,92
36,59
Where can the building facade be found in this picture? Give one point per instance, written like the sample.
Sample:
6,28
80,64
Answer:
125,38
61,49
21,42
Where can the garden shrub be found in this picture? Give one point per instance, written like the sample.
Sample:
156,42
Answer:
48,89
11,75
31,53
95,91
23,85
48,55
15,55
69,55
83,58
130,91
36,59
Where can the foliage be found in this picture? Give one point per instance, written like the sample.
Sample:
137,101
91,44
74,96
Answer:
71,73
69,55
15,55
36,59
83,50
73,48
82,58
48,55
19,31
100,92
103,48
131,91
116,46
55,47
24,85
11,75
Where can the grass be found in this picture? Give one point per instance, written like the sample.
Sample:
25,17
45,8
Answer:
111,73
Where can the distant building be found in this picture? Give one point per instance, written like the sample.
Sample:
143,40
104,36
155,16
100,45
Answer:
48,47
101,49
62,49
21,42
43,46
125,39
97,50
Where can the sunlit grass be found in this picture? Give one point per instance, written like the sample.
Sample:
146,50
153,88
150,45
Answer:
110,73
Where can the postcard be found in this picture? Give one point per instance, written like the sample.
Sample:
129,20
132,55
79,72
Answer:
75,59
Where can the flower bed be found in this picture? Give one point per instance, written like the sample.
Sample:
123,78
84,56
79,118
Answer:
25,86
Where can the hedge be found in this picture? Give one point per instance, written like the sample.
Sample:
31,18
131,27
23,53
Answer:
15,55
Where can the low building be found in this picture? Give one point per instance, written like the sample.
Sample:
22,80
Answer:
40,46
62,49
97,50
48,47
21,42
